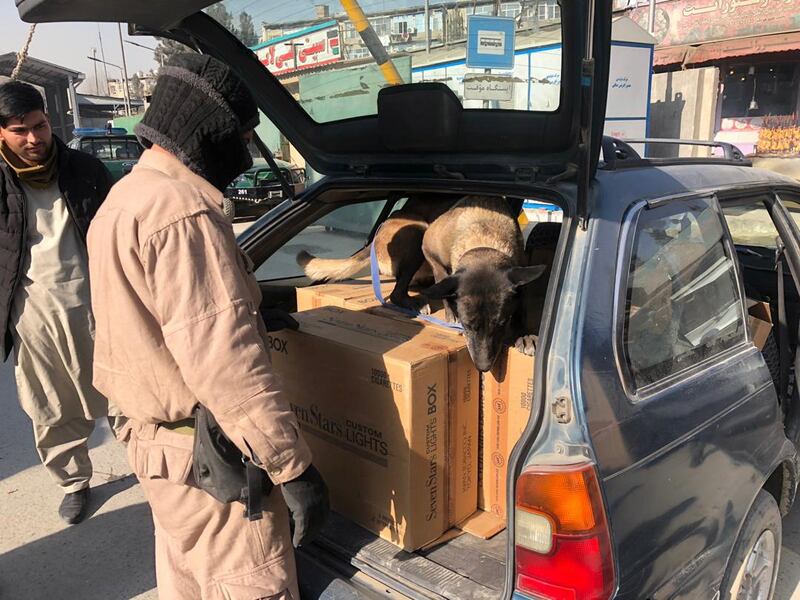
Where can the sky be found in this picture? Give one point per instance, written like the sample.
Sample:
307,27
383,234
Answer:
68,44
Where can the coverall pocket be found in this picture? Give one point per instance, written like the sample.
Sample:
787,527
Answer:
167,456
274,580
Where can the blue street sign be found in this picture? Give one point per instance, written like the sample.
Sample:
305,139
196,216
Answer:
490,42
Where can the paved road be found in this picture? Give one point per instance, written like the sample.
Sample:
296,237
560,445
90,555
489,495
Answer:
111,554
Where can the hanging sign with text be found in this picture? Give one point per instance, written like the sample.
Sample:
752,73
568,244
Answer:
479,86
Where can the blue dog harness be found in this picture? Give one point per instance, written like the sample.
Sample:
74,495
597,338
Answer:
376,288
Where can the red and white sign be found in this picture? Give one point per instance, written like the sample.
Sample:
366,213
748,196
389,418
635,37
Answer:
304,49
679,22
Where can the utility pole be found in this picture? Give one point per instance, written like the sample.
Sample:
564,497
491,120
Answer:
495,12
124,72
96,81
127,107
372,41
103,56
73,98
651,21
427,26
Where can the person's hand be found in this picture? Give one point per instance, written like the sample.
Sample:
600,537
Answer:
276,319
307,499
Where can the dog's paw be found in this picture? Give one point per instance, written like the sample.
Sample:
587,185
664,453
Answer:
417,305
527,344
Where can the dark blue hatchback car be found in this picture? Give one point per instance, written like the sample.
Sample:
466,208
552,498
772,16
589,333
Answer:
661,451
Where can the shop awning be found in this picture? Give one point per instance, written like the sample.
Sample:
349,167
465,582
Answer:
670,55
764,44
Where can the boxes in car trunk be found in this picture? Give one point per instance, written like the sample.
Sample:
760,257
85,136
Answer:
506,396
390,410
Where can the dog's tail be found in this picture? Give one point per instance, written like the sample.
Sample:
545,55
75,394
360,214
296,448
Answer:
333,269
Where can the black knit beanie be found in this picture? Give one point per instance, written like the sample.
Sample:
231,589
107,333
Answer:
200,110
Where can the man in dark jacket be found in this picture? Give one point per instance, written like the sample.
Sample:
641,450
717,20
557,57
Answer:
48,196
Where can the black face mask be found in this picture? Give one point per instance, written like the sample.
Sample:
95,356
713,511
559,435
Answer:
200,112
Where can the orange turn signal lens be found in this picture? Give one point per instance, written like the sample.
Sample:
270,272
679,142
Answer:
570,495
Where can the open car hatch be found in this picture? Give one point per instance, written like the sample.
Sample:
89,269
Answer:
420,128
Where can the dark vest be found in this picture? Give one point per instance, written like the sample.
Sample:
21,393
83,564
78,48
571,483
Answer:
84,182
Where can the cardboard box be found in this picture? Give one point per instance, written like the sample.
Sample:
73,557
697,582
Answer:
506,405
355,294
390,410
760,322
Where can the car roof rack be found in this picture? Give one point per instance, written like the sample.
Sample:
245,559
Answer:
619,153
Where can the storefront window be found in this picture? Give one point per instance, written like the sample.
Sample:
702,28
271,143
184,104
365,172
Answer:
760,90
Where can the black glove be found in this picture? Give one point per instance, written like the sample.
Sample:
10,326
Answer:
276,319
307,499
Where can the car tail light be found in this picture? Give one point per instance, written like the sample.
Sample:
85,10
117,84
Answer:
563,547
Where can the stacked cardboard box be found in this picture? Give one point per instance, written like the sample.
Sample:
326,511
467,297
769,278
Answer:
356,294
506,395
390,410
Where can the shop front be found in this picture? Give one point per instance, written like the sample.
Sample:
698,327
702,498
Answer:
755,45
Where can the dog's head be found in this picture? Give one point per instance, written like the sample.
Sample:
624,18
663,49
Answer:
485,301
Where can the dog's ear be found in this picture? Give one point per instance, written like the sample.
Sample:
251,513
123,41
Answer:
446,288
521,276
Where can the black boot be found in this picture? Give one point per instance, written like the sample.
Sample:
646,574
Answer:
73,506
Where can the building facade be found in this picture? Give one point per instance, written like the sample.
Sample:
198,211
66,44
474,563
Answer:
753,48
147,82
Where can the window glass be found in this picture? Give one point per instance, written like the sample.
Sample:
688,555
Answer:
792,205
510,9
759,90
315,51
549,10
264,176
751,225
339,234
101,149
683,303
124,149
134,149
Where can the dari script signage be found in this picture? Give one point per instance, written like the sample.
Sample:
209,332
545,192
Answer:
696,21
305,49
478,86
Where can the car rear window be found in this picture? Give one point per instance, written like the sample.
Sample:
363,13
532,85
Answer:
514,51
683,303
111,149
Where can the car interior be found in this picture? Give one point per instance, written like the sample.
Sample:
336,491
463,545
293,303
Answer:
337,231
757,242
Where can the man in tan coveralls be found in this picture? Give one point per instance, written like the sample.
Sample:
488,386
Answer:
48,195
178,324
